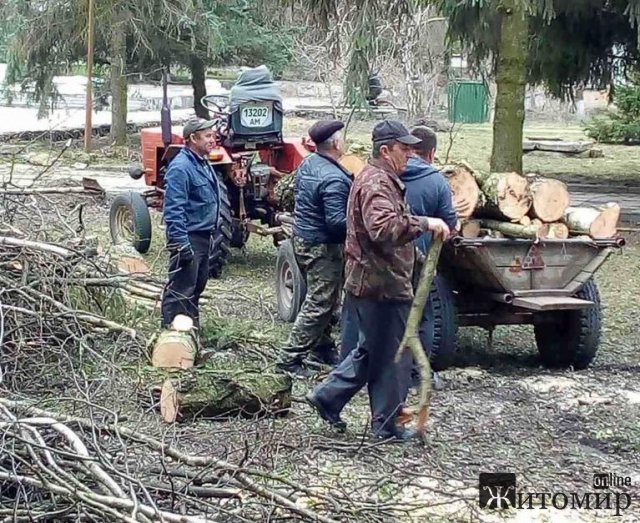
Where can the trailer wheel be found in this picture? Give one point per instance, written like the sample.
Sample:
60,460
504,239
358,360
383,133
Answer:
220,246
290,285
438,334
129,221
570,338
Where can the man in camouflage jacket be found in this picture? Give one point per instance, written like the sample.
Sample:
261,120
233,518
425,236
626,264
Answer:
380,257
322,188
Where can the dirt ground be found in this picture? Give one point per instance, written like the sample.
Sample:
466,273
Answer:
500,411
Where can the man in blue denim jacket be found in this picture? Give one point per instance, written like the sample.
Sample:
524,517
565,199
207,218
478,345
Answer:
191,214
321,189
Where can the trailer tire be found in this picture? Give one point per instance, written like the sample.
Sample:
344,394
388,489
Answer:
291,287
438,335
570,338
130,221
220,244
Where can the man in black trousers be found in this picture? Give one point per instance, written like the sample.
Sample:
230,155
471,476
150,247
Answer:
191,214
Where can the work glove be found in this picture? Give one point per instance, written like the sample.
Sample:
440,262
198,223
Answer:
184,255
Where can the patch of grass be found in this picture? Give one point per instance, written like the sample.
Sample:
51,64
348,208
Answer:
473,143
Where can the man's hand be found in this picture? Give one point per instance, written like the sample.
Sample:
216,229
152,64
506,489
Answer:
439,228
463,208
185,255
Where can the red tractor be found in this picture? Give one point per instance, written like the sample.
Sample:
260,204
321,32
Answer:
250,157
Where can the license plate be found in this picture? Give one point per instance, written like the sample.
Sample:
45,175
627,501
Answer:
258,115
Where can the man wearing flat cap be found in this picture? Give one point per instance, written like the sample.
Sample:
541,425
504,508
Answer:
380,256
321,189
191,214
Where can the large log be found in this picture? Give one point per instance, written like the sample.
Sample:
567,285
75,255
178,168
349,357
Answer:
598,223
506,195
208,392
550,198
464,188
515,230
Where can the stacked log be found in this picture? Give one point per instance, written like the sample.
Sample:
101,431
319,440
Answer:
510,205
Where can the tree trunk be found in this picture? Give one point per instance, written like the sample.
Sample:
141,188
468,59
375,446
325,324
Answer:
511,82
550,198
207,392
506,195
198,82
118,31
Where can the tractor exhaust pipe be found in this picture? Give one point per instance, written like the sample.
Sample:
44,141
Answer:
165,112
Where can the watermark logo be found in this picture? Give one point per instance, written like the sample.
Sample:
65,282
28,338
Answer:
499,491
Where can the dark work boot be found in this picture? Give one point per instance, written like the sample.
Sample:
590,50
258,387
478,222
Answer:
331,418
294,369
399,435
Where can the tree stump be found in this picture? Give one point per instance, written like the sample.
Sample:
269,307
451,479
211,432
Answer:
176,348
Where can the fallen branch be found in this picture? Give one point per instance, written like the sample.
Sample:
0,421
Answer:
411,338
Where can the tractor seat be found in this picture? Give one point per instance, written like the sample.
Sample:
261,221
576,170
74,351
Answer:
256,109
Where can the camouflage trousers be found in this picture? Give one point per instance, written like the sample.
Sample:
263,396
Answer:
322,266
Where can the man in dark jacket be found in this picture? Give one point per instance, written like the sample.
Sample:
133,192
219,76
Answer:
428,192
321,192
191,214
380,256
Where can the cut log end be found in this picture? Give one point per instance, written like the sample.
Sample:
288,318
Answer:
470,229
597,223
352,163
174,350
606,225
557,231
464,189
514,198
550,199
169,402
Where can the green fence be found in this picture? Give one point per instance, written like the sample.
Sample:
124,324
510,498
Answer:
468,102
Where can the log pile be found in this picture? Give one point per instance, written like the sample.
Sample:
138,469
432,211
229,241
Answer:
510,205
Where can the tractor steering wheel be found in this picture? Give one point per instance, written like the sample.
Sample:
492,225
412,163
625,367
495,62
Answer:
211,102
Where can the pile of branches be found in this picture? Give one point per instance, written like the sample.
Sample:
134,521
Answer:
51,309
58,467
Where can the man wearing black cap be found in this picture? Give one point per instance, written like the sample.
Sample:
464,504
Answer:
321,188
380,256
191,213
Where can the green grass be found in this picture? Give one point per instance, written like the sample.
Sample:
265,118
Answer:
473,143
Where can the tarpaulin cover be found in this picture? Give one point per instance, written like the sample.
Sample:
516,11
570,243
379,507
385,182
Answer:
255,85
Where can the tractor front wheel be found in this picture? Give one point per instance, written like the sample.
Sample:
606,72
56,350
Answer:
130,222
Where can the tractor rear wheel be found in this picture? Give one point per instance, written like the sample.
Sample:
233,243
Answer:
570,338
220,246
290,285
130,222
